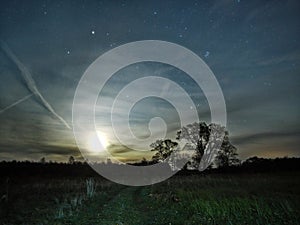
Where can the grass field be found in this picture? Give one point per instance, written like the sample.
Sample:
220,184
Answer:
194,199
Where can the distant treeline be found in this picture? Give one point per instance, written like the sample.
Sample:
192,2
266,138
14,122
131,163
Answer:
82,169
257,165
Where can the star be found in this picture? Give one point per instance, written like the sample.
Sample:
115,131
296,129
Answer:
68,52
93,32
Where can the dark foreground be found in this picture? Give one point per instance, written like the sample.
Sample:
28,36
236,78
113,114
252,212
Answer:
257,198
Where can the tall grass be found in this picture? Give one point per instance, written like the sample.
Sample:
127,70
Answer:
256,199
70,204
90,187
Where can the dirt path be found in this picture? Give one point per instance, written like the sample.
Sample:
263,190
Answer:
127,207
124,208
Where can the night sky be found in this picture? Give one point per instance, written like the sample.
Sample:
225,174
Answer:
251,46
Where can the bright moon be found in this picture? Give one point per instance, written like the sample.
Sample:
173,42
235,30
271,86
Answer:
103,139
98,143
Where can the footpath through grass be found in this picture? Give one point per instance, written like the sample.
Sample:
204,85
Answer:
211,199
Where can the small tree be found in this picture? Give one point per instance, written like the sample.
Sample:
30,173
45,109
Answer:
108,161
43,160
71,160
144,161
227,155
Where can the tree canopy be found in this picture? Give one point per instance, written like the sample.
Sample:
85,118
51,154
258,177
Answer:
200,137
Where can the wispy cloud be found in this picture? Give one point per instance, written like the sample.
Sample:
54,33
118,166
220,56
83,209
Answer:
263,136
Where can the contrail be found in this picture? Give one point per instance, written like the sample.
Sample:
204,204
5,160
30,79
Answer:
15,103
30,82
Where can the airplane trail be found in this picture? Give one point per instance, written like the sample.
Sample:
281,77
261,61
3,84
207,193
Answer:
30,84
15,103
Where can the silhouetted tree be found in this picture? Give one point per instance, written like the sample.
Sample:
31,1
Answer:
198,134
43,160
71,160
144,161
108,161
227,155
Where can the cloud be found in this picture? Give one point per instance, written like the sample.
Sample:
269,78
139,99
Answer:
37,150
263,136
119,149
127,154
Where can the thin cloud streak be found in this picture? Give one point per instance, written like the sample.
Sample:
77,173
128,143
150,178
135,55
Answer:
30,82
16,103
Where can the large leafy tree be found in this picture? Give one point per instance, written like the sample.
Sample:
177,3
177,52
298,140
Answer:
202,138
197,136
